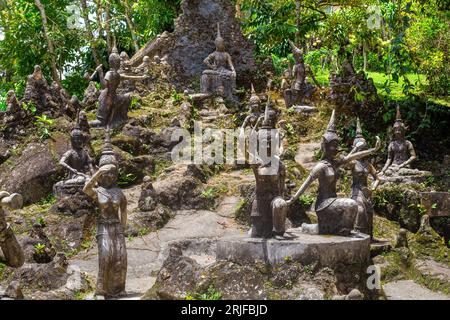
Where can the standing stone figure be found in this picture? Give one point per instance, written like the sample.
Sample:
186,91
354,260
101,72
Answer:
269,210
400,151
335,215
300,88
10,247
112,220
361,192
220,77
113,107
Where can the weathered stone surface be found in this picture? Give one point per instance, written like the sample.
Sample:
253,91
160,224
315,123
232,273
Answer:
35,170
437,204
193,40
409,290
178,188
328,251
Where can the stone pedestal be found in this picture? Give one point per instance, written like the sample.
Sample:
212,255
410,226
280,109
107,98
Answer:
327,251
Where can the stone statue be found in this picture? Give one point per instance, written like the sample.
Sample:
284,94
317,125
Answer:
13,111
78,162
113,107
12,251
112,220
300,88
361,192
401,154
37,90
254,110
269,210
220,77
336,216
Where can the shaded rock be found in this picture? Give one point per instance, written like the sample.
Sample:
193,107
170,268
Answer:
184,50
34,172
155,218
14,291
180,187
90,97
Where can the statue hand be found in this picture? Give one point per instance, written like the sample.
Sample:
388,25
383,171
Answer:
378,144
290,201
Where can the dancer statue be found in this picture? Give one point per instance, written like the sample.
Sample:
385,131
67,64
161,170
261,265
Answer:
361,192
336,216
112,220
269,209
113,107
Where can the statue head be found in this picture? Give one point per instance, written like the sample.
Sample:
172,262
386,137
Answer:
77,138
219,42
359,143
254,101
114,59
399,128
10,96
37,73
330,140
108,164
146,60
124,56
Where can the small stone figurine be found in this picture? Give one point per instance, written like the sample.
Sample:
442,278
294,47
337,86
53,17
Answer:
361,192
112,220
300,88
336,216
113,107
254,110
10,247
78,162
220,77
401,154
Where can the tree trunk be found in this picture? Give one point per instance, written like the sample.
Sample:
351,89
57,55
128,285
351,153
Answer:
89,35
365,56
297,34
51,48
131,26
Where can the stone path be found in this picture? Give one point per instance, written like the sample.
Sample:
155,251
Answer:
305,154
146,253
409,290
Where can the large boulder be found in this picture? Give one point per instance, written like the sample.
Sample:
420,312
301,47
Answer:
193,40
33,172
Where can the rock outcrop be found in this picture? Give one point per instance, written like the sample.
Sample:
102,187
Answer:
193,40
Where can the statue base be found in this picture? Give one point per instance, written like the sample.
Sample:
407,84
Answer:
407,176
328,251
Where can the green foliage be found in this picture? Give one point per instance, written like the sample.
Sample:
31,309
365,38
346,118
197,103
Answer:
209,193
125,179
2,101
39,248
44,125
210,294
306,200
2,270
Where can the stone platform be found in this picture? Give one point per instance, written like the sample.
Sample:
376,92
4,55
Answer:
328,251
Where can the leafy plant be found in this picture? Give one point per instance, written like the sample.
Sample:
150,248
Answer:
39,248
210,294
2,102
125,179
209,193
44,124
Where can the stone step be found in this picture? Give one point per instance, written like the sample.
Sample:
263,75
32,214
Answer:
409,290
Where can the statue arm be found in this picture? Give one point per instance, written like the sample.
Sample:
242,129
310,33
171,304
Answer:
101,76
311,178
63,163
135,78
388,161
209,62
412,155
230,64
89,187
123,211
376,177
359,155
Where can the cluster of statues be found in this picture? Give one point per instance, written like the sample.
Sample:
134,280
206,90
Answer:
336,215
